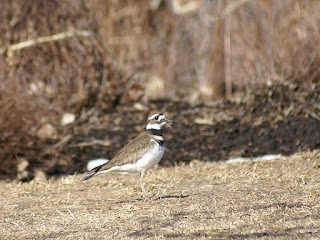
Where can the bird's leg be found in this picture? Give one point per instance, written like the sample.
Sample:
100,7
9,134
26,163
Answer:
142,187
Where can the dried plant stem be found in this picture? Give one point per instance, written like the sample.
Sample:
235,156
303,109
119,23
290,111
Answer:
233,6
229,9
45,39
312,114
91,143
227,53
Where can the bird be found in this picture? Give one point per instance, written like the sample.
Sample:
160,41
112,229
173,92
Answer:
139,155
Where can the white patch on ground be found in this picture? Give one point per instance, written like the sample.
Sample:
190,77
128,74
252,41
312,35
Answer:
267,157
96,162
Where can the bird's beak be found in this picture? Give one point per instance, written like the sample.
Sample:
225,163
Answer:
168,121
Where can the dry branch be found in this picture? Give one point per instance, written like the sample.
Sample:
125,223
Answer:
312,114
229,9
91,143
45,39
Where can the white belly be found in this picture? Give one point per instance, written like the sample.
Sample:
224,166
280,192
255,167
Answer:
148,161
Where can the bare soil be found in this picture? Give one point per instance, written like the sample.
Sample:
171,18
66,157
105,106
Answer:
276,199
279,118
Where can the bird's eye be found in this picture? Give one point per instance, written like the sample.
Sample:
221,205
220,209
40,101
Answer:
156,117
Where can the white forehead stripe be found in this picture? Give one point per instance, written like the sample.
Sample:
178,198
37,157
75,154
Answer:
152,117
161,116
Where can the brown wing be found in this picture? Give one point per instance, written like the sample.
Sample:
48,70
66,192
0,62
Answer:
132,152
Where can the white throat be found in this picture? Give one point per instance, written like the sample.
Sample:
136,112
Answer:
156,126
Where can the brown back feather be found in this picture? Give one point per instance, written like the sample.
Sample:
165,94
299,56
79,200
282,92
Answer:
132,152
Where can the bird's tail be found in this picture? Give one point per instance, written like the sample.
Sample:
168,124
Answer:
93,172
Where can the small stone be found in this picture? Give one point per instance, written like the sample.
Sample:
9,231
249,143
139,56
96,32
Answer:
22,165
47,131
154,89
140,107
67,118
40,176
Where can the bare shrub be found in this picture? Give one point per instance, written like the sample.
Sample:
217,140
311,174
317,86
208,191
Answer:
40,82
267,40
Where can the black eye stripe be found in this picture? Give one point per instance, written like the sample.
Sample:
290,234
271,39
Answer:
157,117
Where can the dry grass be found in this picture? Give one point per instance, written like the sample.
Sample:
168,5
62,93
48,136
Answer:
267,199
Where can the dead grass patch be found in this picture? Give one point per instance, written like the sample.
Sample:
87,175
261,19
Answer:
266,199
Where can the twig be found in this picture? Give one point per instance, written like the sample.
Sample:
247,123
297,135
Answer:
233,6
229,9
45,39
94,142
71,214
62,141
312,114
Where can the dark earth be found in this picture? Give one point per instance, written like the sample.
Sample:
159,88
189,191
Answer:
281,118
278,118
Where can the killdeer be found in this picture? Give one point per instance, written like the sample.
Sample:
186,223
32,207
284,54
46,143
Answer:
139,155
